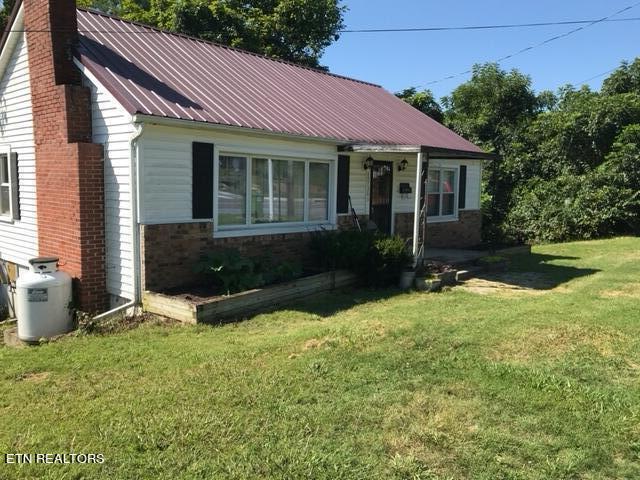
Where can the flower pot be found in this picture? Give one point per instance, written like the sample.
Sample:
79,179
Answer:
406,279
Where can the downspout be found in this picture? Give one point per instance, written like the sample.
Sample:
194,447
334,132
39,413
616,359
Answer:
135,233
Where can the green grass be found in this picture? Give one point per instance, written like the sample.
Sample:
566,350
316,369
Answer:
370,384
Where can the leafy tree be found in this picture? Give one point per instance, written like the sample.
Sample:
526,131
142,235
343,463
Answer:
490,110
423,101
5,13
491,106
294,30
625,79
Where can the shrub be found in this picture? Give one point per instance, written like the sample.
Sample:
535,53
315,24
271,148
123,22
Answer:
389,258
573,207
377,259
230,271
233,272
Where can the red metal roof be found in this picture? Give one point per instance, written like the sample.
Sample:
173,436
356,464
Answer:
164,74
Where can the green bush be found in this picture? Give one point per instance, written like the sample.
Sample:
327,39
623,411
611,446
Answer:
573,207
232,272
378,260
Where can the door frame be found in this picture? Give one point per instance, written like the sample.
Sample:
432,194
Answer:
391,217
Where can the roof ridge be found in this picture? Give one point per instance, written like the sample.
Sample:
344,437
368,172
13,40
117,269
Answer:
221,45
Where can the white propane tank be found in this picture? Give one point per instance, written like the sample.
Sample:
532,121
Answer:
43,296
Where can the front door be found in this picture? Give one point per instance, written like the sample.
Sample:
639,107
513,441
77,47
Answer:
381,194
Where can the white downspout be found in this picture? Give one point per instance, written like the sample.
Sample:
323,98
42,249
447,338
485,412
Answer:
135,233
416,209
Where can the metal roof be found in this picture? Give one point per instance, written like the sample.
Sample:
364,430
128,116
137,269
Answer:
154,72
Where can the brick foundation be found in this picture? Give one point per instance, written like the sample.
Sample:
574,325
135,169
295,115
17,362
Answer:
69,168
345,222
466,232
170,251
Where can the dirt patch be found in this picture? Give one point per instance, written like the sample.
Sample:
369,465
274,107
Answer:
432,426
509,283
33,377
555,342
359,338
630,290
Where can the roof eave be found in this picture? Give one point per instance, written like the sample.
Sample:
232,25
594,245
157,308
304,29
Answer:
440,152
184,123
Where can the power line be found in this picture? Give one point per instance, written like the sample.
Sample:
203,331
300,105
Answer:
149,30
544,42
484,27
596,76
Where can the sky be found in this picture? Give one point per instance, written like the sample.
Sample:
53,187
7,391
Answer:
400,60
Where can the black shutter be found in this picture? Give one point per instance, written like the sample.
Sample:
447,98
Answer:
462,193
202,162
342,204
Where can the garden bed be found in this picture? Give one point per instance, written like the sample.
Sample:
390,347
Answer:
197,309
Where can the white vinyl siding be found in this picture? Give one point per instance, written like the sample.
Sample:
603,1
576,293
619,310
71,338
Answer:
112,128
19,238
165,165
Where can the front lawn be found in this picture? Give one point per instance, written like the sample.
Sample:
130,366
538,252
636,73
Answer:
536,381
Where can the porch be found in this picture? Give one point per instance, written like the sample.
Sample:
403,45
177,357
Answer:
428,195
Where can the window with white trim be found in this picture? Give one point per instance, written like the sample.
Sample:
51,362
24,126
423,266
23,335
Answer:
261,190
9,209
442,193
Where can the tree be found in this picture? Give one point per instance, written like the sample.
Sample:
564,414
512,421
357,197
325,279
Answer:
492,108
625,79
423,101
294,30
5,12
489,107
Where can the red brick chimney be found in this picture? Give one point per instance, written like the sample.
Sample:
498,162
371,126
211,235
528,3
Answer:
69,168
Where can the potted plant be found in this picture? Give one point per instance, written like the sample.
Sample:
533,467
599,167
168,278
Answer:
407,277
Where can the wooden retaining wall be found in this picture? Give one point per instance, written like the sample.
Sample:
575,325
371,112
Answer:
244,303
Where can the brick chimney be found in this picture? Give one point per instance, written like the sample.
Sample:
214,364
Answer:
69,168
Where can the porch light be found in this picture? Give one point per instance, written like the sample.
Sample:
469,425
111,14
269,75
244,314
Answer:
403,165
368,163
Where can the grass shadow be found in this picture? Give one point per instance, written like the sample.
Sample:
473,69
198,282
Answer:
539,271
330,303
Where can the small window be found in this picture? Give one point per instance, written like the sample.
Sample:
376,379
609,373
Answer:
441,193
232,192
9,208
318,191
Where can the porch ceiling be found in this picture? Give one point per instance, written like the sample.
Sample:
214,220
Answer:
433,151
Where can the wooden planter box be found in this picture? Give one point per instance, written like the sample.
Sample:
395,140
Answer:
216,309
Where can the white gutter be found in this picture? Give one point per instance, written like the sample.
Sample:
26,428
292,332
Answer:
135,233
180,122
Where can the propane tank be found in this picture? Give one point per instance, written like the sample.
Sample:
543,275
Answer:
43,297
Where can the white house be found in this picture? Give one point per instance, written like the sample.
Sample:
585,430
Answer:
128,151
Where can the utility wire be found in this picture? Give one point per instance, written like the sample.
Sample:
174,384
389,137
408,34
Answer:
596,76
484,27
544,42
150,29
